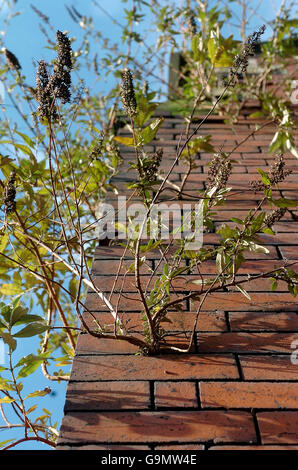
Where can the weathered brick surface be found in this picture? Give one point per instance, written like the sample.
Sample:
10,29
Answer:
248,395
166,426
237,389
175,394
107,395
263,321
268,367
166,367
278,427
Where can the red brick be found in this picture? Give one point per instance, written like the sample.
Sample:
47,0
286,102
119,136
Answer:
278,427
256,321
181,447
248,267
175,394
232,301
240,342
179,321
109,267
217,300
103,447
161,427
93,345
248,395
280,227
289,252
133,303
259,285
275,367
185,283
107,395
166,367
109,381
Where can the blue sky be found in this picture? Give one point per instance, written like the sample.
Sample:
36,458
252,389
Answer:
25,39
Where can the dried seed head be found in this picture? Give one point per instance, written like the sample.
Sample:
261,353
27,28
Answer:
97,150
257,186
241,60
44,96
127,93
219,171
151,165
275,216
11,59
276,175
10,194
61,80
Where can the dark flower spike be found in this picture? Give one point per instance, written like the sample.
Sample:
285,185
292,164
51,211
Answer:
61,79
219,171
241,60
44,96
274,217
152,165
127,93
277,174
11,60
10,194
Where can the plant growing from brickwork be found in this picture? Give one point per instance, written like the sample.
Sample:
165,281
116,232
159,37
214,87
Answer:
230,255
54,175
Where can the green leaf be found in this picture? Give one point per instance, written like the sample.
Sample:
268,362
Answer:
265,177
274,285
17,314
149,132
220,262
251,246
212,48
38,393
28,318
201,143
33,329
21,147
268,230
226,232
11,289
202,282
31,363
8,339
283,202
243,291
26,139
3,242
7,400
238,221
6,385
3,443
128,141
31,409
291,147
257,114
145,109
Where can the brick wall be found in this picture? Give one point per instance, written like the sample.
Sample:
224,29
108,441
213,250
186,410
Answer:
237,389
